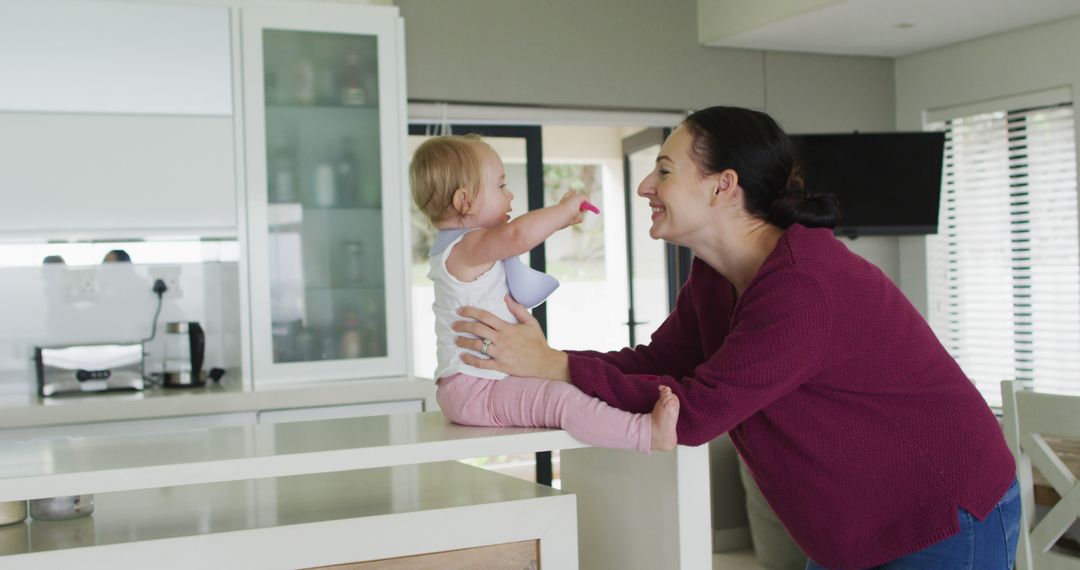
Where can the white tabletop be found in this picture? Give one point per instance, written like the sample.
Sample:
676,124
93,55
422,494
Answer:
72,466
192,510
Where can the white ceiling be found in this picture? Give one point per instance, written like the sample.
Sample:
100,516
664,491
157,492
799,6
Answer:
873,27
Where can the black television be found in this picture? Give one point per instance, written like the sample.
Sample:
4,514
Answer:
886,183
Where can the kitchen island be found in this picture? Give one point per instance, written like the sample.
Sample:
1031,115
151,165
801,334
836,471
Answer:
644,511
432,510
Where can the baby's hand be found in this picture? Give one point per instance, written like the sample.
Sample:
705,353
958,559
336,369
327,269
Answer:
571,204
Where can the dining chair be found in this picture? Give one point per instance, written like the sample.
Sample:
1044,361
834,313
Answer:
1028,417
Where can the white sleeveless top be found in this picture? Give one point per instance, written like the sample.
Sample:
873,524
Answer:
485,292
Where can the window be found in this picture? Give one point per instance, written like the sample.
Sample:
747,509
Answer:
1004,271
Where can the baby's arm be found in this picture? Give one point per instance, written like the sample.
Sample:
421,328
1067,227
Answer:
480,248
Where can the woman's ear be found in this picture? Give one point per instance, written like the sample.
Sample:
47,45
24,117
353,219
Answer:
461,201
724,182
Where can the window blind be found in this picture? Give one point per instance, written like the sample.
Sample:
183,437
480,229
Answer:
1004,267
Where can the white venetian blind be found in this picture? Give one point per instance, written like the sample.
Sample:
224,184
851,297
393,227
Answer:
1004,267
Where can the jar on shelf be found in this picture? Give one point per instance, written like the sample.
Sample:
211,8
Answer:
352,88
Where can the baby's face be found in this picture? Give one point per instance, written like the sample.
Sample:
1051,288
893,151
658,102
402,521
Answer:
493,202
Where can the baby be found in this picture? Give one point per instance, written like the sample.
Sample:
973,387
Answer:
459,183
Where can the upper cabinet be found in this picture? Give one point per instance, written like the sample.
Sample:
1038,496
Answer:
324,112
114,57
116,119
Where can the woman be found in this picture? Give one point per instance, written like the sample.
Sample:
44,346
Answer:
862,432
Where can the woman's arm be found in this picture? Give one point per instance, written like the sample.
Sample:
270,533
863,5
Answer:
777,344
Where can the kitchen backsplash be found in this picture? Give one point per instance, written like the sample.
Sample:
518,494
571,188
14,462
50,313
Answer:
54,304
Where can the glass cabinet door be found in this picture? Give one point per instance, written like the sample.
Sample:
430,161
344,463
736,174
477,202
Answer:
326,247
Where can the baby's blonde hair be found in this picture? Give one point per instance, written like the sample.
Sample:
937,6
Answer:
442,165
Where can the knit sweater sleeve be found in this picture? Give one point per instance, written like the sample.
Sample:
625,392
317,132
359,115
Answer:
777,342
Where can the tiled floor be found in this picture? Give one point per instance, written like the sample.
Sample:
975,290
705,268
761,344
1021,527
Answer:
738,560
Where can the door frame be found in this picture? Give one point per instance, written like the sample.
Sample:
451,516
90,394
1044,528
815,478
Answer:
677,258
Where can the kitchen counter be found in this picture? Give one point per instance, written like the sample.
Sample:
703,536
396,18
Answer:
637,511
55,467
27,410
304,521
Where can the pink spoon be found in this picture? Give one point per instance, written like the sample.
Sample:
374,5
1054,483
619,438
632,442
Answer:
587,205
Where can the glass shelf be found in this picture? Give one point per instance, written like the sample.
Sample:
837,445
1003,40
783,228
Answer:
324,196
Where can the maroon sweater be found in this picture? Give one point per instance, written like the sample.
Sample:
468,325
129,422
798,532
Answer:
861,430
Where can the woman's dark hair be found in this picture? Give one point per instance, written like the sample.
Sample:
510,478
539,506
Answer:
758,150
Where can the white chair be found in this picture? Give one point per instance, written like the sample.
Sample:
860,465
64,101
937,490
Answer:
1029,415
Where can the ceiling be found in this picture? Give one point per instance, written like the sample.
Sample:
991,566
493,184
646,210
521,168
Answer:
889,28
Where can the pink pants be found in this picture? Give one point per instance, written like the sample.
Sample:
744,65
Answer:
527,402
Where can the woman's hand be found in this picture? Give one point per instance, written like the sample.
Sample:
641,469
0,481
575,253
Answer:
518,349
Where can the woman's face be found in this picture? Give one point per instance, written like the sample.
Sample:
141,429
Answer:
677,192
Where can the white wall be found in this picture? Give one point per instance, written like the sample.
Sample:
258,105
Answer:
630,54
39,310
638,54
1003,65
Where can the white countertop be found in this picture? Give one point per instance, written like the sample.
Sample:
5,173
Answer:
29,410
61,466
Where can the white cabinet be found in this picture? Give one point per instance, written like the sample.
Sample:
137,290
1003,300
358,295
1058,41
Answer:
67,56
324,105
77,175
116,119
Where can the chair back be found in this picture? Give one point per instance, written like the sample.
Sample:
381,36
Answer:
1028,417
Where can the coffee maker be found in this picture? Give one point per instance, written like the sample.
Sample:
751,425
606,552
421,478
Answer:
185,348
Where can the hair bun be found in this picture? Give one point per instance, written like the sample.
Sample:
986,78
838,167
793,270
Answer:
797,206
795,182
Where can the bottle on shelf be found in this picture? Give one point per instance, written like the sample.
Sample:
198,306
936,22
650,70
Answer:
347,174
282,187
305,344
323,187
327,345
353,262
373,329
328,88
352,89
351,341
303,78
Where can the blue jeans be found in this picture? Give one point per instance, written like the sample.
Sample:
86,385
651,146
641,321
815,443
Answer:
989,544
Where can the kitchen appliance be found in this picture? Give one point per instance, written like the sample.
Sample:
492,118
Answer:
62,508
12,512
77,369
185,347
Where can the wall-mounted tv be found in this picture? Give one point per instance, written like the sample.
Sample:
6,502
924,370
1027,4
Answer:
887,183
